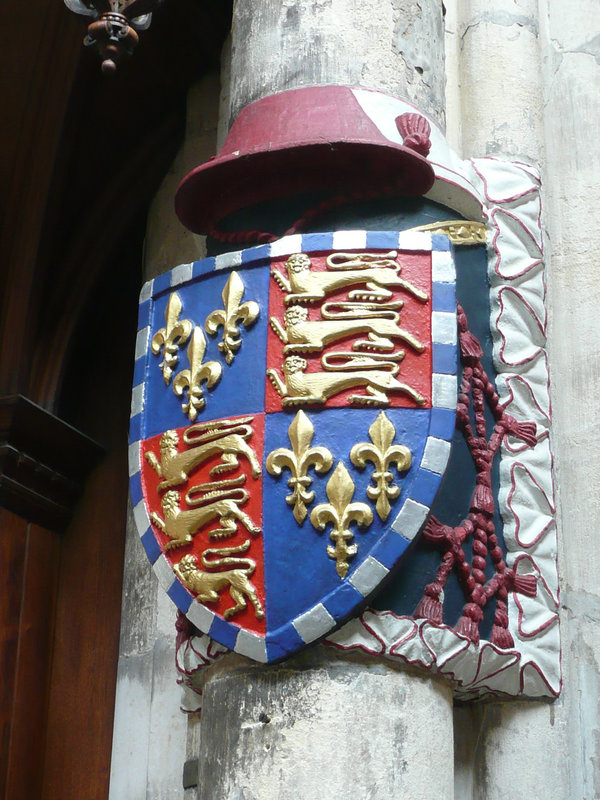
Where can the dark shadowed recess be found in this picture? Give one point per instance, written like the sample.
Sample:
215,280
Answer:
81,156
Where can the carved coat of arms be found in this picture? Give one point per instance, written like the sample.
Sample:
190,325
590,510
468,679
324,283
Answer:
292,413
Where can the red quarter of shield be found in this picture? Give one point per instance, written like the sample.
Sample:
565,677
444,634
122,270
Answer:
207,517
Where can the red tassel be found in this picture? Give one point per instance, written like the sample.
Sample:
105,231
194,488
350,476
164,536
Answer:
182,624
483,500
184,628
468,628
526,431
523,584
429,608
415,131
435,531
502,638
469,346
468,624
461,319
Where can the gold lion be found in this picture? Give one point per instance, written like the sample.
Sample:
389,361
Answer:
207,585
375,271
180,526
224,437
303,335
373,372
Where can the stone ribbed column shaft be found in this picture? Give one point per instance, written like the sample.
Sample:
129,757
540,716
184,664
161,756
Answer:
150,732
530,79
390,45
500,83
322,726
570,39
501,115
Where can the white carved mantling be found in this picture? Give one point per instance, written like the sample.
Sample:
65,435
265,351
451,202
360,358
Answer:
510,196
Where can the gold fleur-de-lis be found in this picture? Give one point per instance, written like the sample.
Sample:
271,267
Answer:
382,453
298,461
172,337
231,315
189,381
341,511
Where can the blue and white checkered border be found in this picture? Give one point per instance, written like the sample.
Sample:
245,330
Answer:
324,616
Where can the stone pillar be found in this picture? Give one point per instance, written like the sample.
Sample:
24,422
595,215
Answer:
151,735
527,84
500,86
391,45
570,38
321,725
501,115
530,87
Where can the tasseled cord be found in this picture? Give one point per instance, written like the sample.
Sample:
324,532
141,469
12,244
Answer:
430,607
482,509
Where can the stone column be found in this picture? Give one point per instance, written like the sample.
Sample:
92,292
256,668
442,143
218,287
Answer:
530,86
320,725
570,39
391,45
151,735
500,82
501,115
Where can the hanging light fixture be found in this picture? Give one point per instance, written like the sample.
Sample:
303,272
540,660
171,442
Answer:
114,27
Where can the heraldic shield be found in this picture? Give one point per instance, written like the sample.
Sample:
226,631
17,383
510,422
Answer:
292,415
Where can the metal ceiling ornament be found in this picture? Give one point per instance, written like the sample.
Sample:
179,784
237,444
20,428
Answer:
114,27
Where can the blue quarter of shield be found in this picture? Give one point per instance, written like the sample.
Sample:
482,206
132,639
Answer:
298,572
241,389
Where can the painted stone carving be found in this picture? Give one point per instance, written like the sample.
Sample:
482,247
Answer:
281,469
500,204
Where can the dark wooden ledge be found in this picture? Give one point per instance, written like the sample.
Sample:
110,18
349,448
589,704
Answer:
44,463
